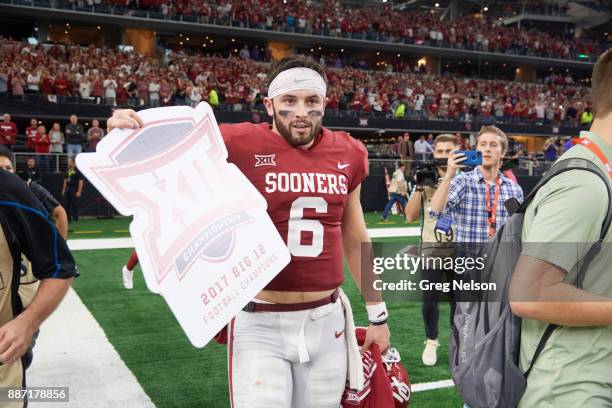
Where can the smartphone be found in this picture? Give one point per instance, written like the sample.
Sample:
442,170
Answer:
472,157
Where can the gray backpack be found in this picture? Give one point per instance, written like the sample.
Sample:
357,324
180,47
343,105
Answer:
486,335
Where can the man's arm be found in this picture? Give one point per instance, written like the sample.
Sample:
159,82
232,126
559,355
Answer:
16,335
558,235
413,208
64,186
61,221
440,198
537,291
354,236
79,188
53,207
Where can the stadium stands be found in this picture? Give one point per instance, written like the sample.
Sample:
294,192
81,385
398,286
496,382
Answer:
332,18
55,73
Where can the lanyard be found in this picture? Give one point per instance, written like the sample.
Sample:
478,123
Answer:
591,145
492,210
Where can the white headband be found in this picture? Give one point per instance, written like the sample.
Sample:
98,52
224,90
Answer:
297,79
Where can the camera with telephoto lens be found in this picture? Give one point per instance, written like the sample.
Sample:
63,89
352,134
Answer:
426,171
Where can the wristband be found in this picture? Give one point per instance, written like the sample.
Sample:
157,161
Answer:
377,313
379,323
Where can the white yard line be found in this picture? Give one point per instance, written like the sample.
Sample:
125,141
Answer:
73,351
434,385
113,243
101,243
394,232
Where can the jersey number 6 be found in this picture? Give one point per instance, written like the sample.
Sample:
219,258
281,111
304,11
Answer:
297,224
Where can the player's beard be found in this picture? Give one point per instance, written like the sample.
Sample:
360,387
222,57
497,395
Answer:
293,138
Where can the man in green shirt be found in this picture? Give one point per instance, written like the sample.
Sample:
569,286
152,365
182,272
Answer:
213,98
586,118
575,367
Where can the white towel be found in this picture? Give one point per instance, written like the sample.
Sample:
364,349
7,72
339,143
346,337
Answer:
355,364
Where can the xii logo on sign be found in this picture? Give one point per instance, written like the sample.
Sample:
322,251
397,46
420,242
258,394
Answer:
265,160
174,171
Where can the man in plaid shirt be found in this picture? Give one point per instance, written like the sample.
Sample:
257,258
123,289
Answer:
475,199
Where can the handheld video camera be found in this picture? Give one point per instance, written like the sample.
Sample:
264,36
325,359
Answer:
426,171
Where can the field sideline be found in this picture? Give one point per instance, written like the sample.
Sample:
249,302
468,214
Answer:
145,336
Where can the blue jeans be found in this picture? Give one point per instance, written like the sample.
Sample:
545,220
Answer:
73,149
393,198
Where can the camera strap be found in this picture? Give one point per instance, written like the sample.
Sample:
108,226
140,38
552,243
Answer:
492,209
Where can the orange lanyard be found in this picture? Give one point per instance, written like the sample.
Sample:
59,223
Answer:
591,145
492,209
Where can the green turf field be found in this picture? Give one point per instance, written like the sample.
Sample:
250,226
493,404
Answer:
118,227
173,373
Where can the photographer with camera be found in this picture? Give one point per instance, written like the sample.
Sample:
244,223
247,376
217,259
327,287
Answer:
433,242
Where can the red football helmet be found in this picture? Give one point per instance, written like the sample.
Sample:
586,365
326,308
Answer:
386,384
400,381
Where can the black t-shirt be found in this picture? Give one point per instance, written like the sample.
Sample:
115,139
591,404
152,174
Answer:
132,87
32,174
73,176
29,231
45,197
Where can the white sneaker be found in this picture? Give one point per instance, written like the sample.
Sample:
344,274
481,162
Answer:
430,354
128,282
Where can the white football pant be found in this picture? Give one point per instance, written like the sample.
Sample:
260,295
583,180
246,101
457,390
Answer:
288,359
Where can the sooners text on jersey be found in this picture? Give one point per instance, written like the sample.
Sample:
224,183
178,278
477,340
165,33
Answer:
306,191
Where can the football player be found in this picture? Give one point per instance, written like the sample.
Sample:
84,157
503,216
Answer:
288,347
128,270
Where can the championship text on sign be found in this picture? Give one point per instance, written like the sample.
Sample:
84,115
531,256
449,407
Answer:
203,237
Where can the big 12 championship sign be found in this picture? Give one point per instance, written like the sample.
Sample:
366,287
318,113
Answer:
203,237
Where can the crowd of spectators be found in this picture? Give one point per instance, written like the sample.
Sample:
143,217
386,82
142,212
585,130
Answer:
43,138
238,82
332,18
47,142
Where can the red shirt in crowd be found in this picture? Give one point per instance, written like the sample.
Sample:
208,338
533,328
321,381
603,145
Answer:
122,96
98,88
61,86
46,85
8,133
42,143
31,132
433,108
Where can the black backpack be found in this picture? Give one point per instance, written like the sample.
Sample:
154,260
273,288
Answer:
485,342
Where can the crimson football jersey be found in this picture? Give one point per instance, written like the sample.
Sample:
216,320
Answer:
306,192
